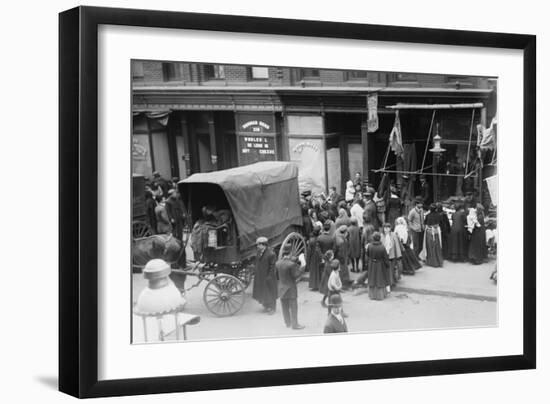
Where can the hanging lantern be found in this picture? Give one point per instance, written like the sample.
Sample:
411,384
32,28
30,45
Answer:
437,149
437,145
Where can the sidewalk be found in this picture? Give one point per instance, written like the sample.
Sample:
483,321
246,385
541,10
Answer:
462,280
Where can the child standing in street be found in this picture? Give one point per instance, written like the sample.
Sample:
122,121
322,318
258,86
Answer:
335,321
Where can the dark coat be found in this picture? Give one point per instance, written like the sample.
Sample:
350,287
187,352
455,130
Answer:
354,241
289,273
458,237
326,242
264,289
333,325
313,261
323,284
477,250
378,263
370,213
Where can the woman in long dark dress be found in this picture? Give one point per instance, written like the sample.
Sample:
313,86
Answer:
445,227
408,257
354,244
477,251
378,264
341,253
432,238
393,207
458,237
314,259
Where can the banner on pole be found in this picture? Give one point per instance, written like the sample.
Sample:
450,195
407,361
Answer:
372,105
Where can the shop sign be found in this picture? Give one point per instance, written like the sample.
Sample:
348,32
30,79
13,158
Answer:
256,148
255,123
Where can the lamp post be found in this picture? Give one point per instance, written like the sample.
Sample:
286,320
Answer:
160,299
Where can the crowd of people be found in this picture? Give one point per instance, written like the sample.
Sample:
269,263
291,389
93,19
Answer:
384,236
164,208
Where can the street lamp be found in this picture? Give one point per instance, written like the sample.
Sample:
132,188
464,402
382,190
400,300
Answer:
437,151
160,299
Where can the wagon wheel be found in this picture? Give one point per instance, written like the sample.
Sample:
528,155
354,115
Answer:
141,229
245,274
297,244
224,295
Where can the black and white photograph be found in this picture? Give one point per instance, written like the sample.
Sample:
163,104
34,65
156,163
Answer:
276,201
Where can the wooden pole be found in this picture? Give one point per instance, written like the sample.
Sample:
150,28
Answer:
365,147
435,106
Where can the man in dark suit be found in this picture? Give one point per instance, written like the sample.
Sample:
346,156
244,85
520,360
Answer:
264,289
370,211
335,321
289,273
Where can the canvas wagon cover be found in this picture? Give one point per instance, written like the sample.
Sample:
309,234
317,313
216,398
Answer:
263,197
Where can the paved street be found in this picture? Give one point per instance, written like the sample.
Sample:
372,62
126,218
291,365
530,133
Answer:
457,295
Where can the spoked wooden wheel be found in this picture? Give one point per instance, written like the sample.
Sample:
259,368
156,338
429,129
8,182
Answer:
245,274
297,245
224,295
141,230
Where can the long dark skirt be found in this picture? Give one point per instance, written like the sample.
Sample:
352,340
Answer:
434,252
323,284
477,251
409,260
315,270
458,245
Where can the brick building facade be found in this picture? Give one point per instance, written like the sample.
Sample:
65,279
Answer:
190,117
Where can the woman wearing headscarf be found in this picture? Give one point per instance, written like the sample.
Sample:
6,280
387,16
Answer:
393,248
366,238
458,237
341,253
432,239
342,219
378,263
354,244
394,205
408,257
477,250
314,259
445,227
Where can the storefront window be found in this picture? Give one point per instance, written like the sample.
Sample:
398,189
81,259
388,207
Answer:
334,168
141,155
309,155
161,154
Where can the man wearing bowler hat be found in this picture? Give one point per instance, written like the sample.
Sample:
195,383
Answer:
265,277
335,320
289,272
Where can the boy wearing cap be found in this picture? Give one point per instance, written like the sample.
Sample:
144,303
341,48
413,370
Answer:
264,289
289,272
335,321
416,225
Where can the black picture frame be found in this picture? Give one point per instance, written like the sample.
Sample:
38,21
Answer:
78,184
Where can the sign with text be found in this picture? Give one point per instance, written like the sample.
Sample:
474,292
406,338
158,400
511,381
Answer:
256,136
256,148
254,123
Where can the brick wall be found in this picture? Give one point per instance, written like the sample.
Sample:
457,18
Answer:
193,74
152,72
